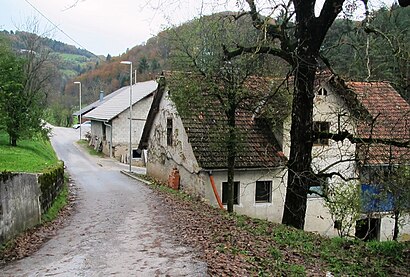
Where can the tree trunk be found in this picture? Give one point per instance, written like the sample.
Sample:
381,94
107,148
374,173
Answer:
396,225
301,143
13,141
231,151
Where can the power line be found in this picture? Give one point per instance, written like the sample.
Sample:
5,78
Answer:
58,28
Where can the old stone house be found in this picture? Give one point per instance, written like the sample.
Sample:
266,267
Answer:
187,144
110,121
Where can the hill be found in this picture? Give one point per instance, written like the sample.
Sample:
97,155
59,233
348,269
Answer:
70,60
345,48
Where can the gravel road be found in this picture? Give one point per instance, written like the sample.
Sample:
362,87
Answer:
118,228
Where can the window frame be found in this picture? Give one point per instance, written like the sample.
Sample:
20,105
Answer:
133,157
321,127
322,91
269,194
169,128
236,192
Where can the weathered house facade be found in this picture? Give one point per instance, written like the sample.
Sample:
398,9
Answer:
360,114
186,144
110,121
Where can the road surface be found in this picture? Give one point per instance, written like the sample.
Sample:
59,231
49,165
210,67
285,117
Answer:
117,229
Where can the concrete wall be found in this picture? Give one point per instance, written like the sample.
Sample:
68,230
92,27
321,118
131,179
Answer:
24,197
20,207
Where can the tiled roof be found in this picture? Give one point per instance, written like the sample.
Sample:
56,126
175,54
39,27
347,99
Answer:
390,121
120,102
258,147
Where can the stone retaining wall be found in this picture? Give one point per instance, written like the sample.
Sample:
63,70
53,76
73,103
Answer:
24,197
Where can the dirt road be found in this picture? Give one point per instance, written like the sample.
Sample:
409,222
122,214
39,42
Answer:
117,229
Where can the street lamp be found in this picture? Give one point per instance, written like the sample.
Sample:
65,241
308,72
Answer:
79,84
130,147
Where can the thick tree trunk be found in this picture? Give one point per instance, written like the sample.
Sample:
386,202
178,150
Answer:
300,157
231,152
396,225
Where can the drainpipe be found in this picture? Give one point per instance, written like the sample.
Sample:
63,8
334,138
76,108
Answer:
109,125
218,199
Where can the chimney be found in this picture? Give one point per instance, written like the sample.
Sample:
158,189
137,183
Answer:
101,95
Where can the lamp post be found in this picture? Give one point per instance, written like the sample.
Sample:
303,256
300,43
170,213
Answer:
79,84
130,146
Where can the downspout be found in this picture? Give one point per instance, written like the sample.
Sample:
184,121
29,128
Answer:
218,199
109,125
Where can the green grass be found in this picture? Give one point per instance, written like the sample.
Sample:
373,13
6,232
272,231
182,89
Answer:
91,150
32,155
73,57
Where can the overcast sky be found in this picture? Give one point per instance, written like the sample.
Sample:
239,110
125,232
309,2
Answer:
100,26
103,26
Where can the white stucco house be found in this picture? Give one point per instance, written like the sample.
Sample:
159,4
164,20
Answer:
187,144
110,121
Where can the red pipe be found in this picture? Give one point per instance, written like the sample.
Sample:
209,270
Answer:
211,178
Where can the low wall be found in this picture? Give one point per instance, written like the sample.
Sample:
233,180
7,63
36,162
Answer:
24,197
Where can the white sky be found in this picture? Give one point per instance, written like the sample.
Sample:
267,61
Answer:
105,26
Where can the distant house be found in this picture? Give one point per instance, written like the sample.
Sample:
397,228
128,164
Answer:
187,145
92,106
110,120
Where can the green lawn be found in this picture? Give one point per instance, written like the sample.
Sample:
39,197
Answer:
29,156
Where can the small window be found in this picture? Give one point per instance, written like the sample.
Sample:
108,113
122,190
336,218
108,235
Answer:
136,153
104,132
236,187
263,193
169,131
321,127
322,91
315,191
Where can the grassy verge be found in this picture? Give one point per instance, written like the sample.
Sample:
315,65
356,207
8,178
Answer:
264,248
32,155
90,150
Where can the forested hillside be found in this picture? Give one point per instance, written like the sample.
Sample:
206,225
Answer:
66,61
376,49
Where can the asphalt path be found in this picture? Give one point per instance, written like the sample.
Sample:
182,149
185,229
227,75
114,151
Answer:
117,229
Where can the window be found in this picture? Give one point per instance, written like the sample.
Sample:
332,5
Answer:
315,191
236,187
368,229
263,193
321,127
136,153
322,91
169,131
104,132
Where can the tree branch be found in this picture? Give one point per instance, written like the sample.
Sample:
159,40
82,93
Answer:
229,54
369,140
